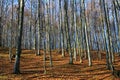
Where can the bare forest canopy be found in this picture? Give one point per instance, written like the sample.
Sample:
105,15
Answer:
53,23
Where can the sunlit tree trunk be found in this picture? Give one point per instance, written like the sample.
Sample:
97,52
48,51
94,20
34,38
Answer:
50,35
61,29
84,24
10,41
44,48
39,16
0,31
1,3
110,37
30,26
35,28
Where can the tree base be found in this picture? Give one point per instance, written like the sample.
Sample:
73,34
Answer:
45,72
37,54
116,73
71,63
16,72
13,56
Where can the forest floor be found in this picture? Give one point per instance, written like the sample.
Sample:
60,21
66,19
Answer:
31,67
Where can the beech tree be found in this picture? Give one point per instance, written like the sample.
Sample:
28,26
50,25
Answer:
108,46
10,41
18,52
0,22
61,29
68,32
84,25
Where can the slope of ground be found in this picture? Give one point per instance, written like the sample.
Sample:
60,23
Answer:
32,68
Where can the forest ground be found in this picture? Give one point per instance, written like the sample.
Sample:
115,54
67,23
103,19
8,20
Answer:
31,67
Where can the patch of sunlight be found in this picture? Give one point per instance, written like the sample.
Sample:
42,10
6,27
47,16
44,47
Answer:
3,77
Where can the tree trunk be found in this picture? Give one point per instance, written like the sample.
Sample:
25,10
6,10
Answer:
18,52
61,30
110,65
1,23
84,24
39,17
68,32
44,58
117,23
10,41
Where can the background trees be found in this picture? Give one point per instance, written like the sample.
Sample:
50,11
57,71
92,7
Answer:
71,26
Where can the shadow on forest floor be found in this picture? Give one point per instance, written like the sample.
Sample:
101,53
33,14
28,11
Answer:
31,67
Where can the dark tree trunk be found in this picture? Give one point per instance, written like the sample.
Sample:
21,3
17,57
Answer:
18,52
108,48
68,32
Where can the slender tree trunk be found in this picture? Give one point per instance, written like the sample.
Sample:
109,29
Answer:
115,35
61,30
44,58
74,10
50,35
61,26
30,25
0,31
35,37
1,3
85,30
109,35
45,50
68,32
110,66
39,15
117,22
10,42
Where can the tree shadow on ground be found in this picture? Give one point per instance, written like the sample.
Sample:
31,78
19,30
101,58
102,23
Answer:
32,72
